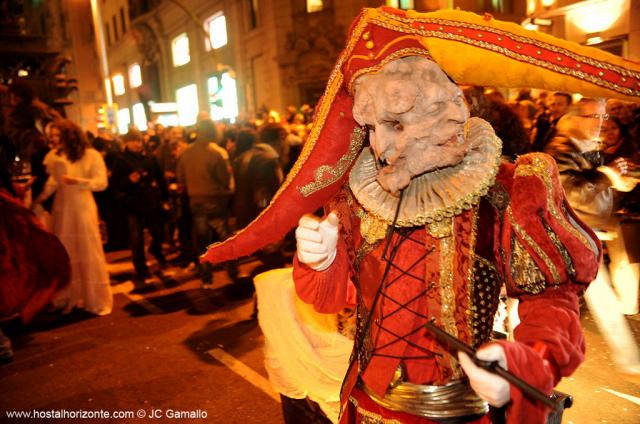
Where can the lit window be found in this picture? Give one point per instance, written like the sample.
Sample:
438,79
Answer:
401,4
135,76
223,98
180,50
118,84
123,120
216,27
406,4
314,6
139,117
187,100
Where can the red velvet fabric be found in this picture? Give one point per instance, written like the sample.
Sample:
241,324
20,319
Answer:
550,342
33,263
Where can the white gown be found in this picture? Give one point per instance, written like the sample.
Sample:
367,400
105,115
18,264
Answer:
75,222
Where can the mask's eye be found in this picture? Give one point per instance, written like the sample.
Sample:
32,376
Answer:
396,125
435,108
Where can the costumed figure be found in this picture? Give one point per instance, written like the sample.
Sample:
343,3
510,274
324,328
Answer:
424,222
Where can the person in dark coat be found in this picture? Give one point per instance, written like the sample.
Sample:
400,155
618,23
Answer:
142,191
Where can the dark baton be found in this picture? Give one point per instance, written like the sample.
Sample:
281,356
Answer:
491,366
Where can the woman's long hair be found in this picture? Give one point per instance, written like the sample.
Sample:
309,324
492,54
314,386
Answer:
72,139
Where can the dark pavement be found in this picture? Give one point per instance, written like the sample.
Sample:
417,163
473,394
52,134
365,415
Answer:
172,346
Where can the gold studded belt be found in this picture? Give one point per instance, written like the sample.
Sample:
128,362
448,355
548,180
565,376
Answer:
448,403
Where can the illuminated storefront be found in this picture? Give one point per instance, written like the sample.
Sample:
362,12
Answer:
223,97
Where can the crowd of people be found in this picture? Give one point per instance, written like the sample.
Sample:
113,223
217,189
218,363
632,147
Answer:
190,187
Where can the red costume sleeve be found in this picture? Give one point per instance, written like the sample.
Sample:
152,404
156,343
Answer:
328,291
331,290
549,346
549,257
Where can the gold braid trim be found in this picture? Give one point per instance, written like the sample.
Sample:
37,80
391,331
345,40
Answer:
406,25
369,417
412,51
447,292
333,86
403,25
470,272
533,245
524,270
337,171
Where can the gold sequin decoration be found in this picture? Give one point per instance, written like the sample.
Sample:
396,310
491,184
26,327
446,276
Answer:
337,171
485,298
372,228
440,229
524,271
526,237
470,273
447,293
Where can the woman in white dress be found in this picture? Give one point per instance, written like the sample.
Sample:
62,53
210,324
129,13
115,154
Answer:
76,170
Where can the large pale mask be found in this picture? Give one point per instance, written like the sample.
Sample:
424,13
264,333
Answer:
416,117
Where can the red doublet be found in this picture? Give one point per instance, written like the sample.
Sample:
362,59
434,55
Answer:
522,234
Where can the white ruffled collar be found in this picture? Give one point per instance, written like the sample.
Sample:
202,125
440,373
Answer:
435,195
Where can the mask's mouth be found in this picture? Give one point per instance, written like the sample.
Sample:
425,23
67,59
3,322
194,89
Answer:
457,138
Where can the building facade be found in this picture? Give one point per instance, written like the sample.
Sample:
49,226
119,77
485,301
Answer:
232,59
612,25
50,45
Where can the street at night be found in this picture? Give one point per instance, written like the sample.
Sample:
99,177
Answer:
174,347
320,211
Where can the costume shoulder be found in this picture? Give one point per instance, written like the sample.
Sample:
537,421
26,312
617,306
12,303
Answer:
542,243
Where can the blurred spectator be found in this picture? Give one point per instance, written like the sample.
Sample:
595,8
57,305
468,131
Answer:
544,128
590,190
75,171
140,188
505,122
229,141
258,176
27,143
179,216
204,172
275,135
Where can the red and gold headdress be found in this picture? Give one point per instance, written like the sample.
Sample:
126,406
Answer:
471,49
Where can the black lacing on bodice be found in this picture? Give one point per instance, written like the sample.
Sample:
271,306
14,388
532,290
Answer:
390,251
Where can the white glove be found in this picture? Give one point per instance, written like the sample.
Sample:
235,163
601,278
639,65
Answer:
490,387
317,241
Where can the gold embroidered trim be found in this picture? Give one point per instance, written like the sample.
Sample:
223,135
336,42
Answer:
470,272
383,17
541,169
440,229
369,417
393,56
509,53
336,172
372,228
524,271
447,293
333,86
547,261
566,258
